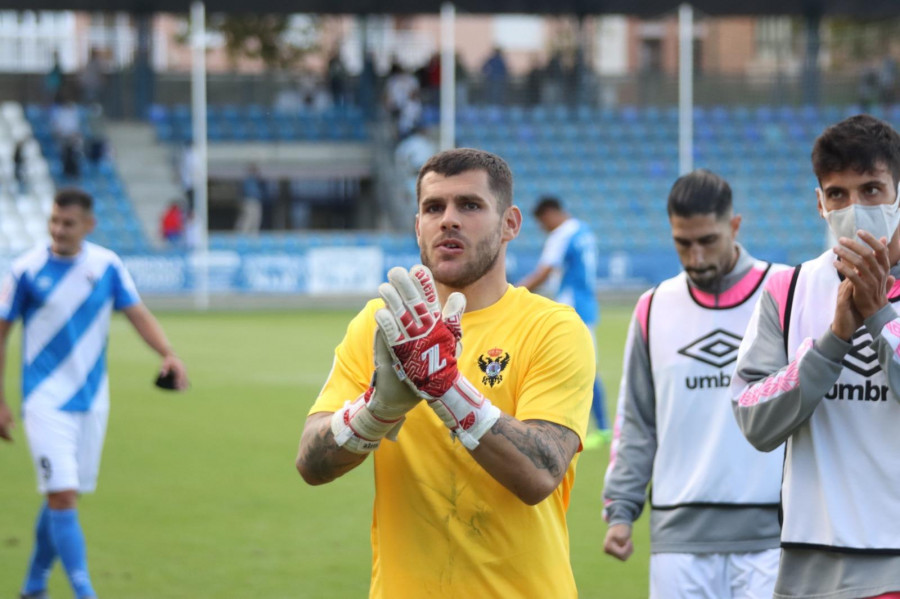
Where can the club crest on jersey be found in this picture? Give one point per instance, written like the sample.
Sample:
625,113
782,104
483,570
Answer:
492,363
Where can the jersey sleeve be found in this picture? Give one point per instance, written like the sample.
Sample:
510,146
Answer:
634,443
353,365
554,251
560,380
771,396
12,295
125,292
884,326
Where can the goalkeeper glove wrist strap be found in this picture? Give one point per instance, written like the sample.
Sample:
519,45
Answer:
466,412
358,430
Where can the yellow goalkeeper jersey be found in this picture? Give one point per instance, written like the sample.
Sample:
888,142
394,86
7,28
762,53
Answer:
442,526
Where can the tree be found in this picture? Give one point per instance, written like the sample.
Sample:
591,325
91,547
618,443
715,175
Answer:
279,41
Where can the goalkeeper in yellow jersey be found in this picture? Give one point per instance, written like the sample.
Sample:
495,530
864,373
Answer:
483,391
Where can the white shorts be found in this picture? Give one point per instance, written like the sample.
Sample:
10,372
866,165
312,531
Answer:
65,447
714,575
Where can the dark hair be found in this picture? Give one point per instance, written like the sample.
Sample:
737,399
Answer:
460,160
700,192
860,143
72,196
546,203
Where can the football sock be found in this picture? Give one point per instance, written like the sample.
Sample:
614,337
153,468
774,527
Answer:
598,406
70,544
43,555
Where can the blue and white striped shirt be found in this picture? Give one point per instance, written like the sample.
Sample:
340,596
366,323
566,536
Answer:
571,250
65,305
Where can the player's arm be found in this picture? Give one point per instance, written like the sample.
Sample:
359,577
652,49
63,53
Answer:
320,460
6,417
634,444
153,335
333,443
530,457
772,397
551,259
537,277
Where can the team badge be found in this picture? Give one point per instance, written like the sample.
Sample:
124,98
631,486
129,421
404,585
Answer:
492,365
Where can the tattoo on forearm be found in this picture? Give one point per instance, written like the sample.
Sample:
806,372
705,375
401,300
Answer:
546,444
324,458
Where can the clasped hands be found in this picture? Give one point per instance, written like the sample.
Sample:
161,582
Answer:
416,346
866,270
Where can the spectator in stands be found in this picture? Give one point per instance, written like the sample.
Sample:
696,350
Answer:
172,225
568,266
314,98
409,156
92,78
186,161
462,82
868,88
337,78
19,164
429,77
253,194
288,100
367,86
191,231
410,115
495,74
887,80
399,90
53,81
553,79
65,123
95,134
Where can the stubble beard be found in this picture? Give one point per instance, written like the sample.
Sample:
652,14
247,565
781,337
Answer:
486,253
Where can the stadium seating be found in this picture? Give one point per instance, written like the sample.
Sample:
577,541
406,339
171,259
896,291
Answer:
256,123
614,167
118,226
23,207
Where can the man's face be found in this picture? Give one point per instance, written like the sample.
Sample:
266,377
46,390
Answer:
705,245
549,220
68,227
459,230
847,187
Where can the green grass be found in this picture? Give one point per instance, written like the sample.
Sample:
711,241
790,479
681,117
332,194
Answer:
198,496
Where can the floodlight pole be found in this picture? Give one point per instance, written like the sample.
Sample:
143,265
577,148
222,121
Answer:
198,112
685,89
448,76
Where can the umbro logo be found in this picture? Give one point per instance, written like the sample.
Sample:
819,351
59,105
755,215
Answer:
718,348
861,358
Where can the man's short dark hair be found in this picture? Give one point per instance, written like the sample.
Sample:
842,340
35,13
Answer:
453,162
72,196
546,203
700,192
859,142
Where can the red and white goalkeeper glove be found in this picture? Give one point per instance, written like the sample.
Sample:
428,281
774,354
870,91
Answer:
425,341
360,425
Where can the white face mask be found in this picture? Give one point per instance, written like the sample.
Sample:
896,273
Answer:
880,220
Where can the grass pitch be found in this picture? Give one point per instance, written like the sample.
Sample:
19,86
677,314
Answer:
198,496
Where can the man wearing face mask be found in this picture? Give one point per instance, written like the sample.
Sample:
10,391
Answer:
714,507
819,370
